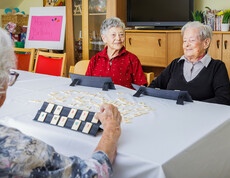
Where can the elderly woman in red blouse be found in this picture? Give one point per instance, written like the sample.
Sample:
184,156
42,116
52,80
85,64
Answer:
114,61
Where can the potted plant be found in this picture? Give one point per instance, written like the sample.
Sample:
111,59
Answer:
198,16
225,21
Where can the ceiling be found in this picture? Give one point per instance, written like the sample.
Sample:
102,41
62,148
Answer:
9,3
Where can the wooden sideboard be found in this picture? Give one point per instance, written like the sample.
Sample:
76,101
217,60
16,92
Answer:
157,48
220,48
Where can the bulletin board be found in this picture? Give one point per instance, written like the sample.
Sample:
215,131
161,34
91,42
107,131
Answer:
46,28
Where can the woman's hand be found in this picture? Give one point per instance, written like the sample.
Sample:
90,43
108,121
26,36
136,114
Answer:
111,119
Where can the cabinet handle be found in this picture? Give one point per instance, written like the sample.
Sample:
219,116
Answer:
218,43
225,44
159,42
130,41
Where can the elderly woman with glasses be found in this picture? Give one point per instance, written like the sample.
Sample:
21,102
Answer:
114,61
205,79
24,156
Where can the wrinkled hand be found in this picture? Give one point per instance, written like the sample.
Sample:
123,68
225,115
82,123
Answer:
111,119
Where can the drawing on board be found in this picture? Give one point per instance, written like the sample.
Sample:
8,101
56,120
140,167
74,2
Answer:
46,28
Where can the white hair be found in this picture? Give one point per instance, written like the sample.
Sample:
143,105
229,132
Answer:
7,57
205,30
109,23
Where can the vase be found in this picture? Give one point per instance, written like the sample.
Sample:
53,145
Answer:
224,27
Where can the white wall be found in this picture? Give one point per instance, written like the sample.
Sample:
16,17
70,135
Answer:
213,4
23,5
26,4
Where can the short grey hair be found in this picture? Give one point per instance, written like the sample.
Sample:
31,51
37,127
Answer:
205,30
109,23
7,57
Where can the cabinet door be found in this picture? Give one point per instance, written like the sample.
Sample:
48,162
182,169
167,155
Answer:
150,48
226,51
77,28
216,46
89,15
175,46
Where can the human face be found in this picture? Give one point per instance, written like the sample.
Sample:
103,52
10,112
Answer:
194,47
114,38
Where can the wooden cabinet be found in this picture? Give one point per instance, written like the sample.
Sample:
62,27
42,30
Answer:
175,45
157,48
149,47
154,48
83,19
215,48
220,48
226,51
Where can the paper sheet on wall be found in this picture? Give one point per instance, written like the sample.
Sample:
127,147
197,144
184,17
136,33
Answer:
46,28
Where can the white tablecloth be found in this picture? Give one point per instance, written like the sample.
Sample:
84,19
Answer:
173,141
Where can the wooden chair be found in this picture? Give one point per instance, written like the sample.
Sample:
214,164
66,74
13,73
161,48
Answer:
50,63
25,58
149,77
80,67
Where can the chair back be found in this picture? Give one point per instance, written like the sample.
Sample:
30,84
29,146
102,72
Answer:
149,77
80,67
25,58
50,63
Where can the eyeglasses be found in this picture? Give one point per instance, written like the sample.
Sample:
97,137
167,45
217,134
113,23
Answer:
12,78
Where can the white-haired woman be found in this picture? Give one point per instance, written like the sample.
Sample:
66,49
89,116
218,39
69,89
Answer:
114,61
24,156
204,78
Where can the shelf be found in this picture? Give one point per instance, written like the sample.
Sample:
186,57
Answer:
91,14
97,13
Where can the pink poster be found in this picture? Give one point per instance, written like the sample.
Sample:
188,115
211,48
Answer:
45,28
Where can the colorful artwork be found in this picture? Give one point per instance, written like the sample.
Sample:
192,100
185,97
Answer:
45,28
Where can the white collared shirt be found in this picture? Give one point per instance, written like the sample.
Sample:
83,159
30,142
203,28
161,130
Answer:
191,70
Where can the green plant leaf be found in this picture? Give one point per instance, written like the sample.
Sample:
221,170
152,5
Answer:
226,17
198,16
208,8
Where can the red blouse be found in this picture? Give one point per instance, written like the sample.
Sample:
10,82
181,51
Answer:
124,69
